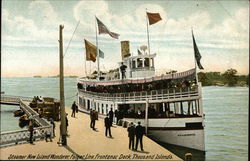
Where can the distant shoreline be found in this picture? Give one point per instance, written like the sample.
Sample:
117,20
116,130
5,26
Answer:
53,76
214,82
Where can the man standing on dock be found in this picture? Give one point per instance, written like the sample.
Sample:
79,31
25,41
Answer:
74,109
111,116
139,132
107,126
92,118
67,123
116,116
131,135
31,130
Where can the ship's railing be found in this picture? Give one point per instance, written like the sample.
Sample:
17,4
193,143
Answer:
162,94
13,137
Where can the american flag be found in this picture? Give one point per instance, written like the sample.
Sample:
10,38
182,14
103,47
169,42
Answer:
104,30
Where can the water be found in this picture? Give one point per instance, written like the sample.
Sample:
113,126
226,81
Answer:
226,120
8,121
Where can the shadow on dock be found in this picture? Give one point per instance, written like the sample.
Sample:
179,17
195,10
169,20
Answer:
73,152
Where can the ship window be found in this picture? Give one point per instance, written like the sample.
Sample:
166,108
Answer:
133,64
83,102
139,62
146,62
107,108
171,107
88,104
152,62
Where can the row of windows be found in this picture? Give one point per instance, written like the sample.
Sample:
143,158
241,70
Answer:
147,62
86,103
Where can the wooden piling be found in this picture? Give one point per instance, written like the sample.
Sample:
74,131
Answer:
188,157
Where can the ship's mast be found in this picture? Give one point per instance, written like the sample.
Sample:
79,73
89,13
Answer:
147,33
98,58
62,104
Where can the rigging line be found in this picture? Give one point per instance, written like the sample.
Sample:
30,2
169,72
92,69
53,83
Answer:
71,96
224,8
71,38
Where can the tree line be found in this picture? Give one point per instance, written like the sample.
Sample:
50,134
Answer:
228,78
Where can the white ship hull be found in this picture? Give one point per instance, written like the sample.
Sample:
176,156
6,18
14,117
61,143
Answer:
186,132
187,138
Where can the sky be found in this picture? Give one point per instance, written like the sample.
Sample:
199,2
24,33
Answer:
30,34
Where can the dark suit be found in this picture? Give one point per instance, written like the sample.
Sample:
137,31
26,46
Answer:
92,119
111,115
73,107
116,115
139,132
107,125
31,130
131,135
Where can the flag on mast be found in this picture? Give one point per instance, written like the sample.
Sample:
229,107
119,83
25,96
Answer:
153,18
197,53
101,54
104,30
91,51
139,52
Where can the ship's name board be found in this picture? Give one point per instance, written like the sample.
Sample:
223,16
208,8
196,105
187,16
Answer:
186,135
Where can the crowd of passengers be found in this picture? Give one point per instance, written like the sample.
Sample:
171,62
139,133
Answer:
152,113
124,88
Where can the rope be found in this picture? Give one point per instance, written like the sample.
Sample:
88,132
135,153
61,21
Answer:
71,97
224,9
71,39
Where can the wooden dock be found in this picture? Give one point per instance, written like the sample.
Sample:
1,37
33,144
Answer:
87,144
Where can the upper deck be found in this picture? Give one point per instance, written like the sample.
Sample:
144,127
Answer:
187,75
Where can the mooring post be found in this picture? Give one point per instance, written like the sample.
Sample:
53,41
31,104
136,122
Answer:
146,117
188,157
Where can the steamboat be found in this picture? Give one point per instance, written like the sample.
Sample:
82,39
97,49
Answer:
169,105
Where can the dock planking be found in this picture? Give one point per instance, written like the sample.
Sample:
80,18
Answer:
87,144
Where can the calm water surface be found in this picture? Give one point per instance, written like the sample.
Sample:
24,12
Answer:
225,108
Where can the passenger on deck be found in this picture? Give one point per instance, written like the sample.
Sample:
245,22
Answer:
123,70
139,113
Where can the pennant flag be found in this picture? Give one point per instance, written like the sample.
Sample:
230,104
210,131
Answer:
104,30
197,53
90,51
101,54
139,52
153,18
